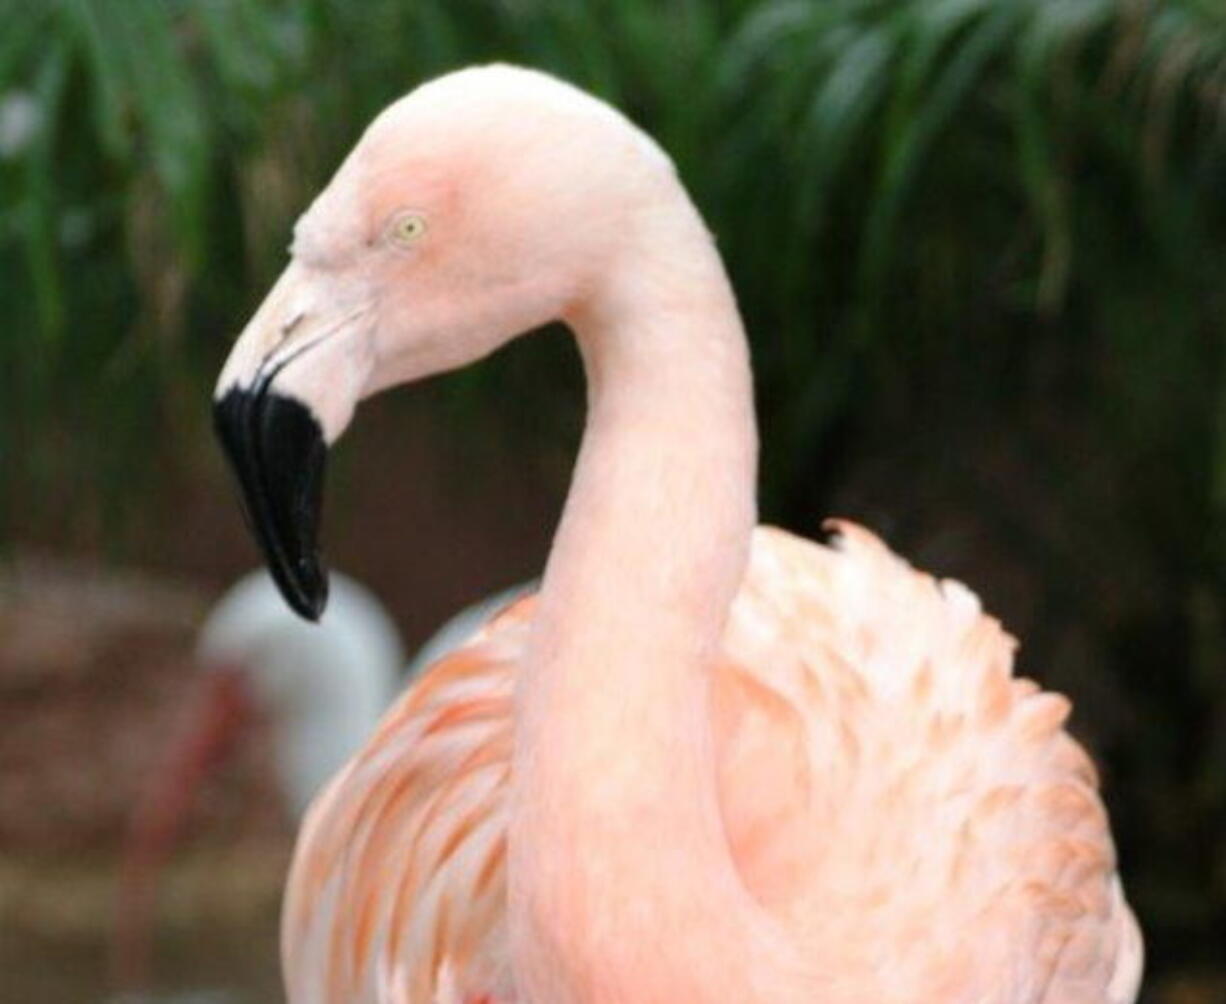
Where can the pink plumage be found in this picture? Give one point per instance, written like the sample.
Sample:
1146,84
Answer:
709,762
889,789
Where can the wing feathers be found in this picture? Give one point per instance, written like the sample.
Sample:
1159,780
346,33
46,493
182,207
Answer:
913,814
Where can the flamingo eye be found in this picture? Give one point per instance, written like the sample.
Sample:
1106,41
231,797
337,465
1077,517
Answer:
406,229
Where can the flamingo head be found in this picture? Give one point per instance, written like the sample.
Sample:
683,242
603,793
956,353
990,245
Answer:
482,205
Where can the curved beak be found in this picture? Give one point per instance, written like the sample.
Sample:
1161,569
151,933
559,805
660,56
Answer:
219,711
276,449
287,390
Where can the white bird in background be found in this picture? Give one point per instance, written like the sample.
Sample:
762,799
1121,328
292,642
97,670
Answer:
320,688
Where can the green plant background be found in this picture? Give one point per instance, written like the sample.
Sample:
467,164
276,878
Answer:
980,246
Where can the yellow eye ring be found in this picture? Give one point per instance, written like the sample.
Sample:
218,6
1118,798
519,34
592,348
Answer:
406,229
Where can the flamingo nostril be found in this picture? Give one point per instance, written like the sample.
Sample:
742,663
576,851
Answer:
288,327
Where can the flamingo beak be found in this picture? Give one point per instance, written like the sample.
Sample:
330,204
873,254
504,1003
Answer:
289,389
276,448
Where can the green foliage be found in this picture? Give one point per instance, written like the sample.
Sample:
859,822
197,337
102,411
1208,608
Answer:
979,245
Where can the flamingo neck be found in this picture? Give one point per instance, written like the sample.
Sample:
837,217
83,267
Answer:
617,844
654,537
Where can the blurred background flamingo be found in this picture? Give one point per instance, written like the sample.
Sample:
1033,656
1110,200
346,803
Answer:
319,689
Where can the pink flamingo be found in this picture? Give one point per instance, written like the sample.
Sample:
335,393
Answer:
709,762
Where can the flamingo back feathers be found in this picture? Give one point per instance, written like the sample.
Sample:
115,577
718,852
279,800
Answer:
939,827
905,809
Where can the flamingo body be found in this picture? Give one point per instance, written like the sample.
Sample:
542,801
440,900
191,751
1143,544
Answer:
893,797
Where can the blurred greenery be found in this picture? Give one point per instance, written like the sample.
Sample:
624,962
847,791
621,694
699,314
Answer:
979,244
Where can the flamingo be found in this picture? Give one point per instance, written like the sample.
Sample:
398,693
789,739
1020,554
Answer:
708,761
320,687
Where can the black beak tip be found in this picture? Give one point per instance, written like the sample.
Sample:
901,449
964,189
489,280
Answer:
308,596
276,448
